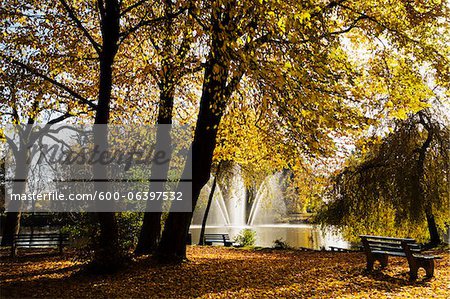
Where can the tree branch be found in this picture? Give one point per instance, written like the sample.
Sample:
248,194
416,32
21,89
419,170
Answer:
352,25
132,6
143,23
36,72
60,118
80,26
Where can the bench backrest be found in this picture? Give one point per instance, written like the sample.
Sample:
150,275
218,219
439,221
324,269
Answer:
50,239
389,244
217,237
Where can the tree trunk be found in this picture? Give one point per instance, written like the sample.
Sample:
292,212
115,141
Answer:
12,221
215,94
201,241
108,256
432,228
151,226
435,239
172,247
10,227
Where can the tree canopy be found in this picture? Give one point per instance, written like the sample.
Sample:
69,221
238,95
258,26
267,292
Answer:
398,185
272,84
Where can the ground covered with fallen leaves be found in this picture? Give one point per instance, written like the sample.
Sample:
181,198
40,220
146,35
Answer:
217,272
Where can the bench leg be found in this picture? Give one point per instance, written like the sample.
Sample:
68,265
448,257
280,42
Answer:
371,258
13,250
413,268
429,268
370,262
413,273
427,264
383,259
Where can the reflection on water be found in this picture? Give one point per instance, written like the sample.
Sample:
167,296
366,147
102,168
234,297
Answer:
264,210
294,235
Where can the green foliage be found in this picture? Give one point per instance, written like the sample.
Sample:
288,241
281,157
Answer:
394,187
129,224
246,237
84,231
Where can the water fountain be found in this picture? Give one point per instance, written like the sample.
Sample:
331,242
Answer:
266,213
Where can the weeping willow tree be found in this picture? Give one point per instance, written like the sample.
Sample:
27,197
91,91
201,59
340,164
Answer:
400,187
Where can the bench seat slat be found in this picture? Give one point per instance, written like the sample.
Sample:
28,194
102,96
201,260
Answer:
391,242
19,237
428,257
39,239
37,245
387,238
389,252
38,235
391,248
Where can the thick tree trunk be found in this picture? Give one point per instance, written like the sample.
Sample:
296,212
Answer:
215,94
172,247
201,240
108,256
12,221
10,227
151,226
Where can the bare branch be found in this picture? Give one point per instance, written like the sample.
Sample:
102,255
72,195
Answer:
143,23
199,21
60,118
60,85
80,26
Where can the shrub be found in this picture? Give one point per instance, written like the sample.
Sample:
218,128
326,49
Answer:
246,237
280,244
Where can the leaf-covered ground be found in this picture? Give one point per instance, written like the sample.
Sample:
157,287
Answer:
215,272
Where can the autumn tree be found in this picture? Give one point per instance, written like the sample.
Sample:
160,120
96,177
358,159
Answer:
168,53
29,99
399,186
297,56
68,58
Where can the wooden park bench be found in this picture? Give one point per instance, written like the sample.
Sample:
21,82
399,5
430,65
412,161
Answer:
218,238
40,240
379,248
